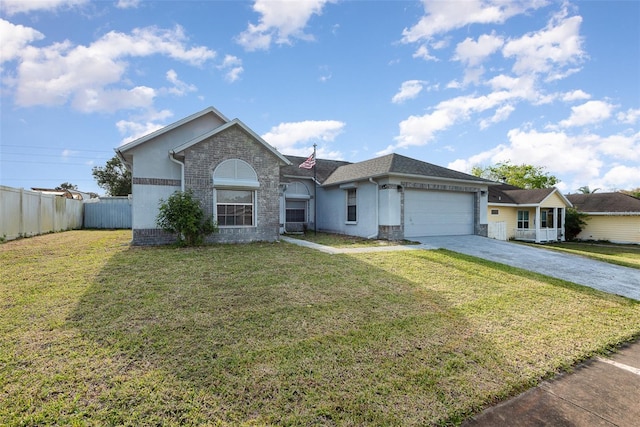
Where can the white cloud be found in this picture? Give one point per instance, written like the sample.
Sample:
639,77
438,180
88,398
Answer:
286,136
423,53
179,88
630,116
232,66
88,76
15,38
622,177
100,100
548,50
500,115
280,22
128,4
142,125
576,95
620,146
11,7
408,90
443,16
420,130
588,113
473,52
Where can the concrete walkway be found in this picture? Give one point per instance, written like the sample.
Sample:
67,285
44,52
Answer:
333,251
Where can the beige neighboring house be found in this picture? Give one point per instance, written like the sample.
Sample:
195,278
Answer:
611,216
536,215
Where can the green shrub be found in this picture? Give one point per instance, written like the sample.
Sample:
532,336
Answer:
182,214
574,222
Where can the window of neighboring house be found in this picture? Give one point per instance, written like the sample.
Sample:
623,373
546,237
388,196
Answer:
296,211
235,207
351,205
495,212
523,219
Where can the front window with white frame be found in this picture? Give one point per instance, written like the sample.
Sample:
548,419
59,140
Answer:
234,208
352,205
235,187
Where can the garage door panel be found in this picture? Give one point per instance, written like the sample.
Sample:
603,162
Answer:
438,213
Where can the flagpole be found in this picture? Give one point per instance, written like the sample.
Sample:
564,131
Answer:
315,193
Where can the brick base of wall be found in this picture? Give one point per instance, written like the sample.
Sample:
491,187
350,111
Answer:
152,236
391,232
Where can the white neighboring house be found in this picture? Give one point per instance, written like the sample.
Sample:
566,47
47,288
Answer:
256,193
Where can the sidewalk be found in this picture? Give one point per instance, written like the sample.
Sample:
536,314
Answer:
600,392
333,251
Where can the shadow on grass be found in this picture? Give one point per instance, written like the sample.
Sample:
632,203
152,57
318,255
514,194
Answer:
278,334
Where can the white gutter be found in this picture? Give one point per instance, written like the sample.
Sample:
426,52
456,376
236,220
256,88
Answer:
174,160
377,209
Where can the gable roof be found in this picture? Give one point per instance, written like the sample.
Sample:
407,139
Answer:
222,128
396,164
323,168
605,203
209,110
510,194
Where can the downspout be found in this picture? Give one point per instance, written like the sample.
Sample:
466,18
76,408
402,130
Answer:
377,210
174,160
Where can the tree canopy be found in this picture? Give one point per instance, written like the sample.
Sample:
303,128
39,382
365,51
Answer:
67,186
114,177
523,176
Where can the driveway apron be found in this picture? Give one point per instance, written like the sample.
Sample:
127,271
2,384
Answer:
573,268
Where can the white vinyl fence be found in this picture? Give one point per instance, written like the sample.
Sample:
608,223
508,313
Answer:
28,213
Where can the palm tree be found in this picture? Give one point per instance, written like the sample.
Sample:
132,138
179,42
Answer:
586,190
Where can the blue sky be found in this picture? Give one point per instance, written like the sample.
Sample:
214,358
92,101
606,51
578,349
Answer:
454,83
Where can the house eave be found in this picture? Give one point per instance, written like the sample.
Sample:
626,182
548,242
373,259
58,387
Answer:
143,139
219,129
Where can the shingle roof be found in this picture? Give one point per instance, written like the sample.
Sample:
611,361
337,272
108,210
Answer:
510,194
324,168
605,202
395,164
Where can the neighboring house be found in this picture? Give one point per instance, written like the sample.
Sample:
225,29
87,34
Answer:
535,215
68,194
611,216
256,193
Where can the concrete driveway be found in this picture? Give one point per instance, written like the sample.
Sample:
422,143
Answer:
573,268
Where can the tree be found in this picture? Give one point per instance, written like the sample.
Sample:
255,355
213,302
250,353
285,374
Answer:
574,222
586,190
523,176
182,214
113,177
635,192
67,186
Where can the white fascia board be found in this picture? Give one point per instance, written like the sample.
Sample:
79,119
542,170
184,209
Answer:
564,199
611,213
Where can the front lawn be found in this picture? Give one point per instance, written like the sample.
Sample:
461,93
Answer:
625,255
93,332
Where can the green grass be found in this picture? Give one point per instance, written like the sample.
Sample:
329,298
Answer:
344,241
93,332
625,255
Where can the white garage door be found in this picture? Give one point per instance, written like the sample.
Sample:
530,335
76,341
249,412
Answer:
437,213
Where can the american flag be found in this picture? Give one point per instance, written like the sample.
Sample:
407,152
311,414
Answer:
309,163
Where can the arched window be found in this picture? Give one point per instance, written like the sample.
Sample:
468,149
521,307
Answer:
235,183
